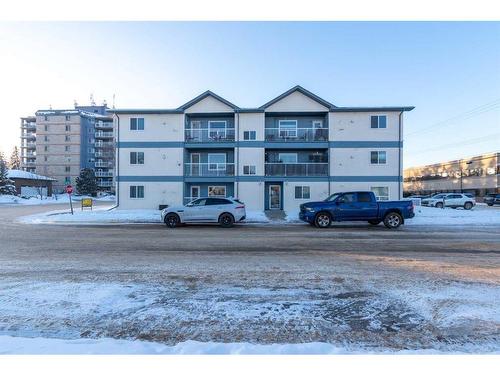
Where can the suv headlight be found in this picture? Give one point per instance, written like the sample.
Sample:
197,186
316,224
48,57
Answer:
310,209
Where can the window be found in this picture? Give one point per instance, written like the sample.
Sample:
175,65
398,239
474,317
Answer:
381,193
67,169
317,124
347,198
137,123
136,191
249,169
290,158
287,128
68,128
46,148
46,138
249,135
216,162
379,122
137,158
67,180
45,158
216,201
68,118
199,202
46,127
216,191
378,157
217,129
46,118
364,197
66,148
302,192
67,138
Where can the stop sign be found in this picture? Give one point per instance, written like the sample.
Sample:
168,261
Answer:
69,189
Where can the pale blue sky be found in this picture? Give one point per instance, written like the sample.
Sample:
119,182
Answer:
444,69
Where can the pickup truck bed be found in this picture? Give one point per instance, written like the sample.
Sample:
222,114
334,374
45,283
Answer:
356,206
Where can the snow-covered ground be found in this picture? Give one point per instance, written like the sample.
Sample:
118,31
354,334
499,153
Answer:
55,199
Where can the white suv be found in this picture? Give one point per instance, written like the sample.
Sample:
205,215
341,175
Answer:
452,200
225,211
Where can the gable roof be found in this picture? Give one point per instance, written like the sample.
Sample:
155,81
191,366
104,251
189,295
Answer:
203,96
302,91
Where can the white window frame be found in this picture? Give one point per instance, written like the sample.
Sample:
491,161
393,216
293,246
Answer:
378,121
250,170
302,191
288,153
249,137
378,187
137,124
288,135
218,165
192,197
136,191
217,130
378,157
211,187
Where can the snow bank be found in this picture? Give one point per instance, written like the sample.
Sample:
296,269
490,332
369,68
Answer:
41,345
100,215
448,216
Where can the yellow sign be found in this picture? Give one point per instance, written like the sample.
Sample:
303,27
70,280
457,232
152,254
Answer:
87,202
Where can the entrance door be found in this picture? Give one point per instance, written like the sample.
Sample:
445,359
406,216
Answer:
195,165
195,192
274,197
196,131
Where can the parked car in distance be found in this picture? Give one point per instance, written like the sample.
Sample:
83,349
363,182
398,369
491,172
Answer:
492,199
453,200
356,206
417,196
225,211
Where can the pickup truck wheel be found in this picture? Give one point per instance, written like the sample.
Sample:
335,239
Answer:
467,205
172,220
323,220
439,205
393,220
226,220
374,222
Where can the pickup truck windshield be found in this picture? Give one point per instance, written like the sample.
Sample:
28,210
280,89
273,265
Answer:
332,197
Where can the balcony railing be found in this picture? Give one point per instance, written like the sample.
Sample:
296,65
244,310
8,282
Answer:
100,134
30,126
296,169
103,174
103,125
102,154
101,164
103,144
296,135
28,135
31,144
208,169
29,162
104,183
209,135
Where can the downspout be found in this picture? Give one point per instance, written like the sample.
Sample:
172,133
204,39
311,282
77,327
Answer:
237,166
117,156
399,157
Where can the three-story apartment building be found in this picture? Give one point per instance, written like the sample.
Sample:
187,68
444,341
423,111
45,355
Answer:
295,148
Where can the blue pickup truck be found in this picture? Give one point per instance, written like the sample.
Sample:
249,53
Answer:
356,206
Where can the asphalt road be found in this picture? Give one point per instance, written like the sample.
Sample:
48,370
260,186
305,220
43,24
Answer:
349,284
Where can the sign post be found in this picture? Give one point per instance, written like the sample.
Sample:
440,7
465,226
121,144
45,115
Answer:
69,190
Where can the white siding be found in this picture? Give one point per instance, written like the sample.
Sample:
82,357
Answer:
365,186
356,162
251,156
157,128
157,162
155,193
209,105
356,126
252,194
318,191
296,102
252,121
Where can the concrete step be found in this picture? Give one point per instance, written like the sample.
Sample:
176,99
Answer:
275,214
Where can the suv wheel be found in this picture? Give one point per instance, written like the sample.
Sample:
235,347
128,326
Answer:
172,220
393,220
439,205
323,220
468,205
226,220
489,204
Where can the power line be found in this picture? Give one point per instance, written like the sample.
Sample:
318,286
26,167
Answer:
462,116
466,142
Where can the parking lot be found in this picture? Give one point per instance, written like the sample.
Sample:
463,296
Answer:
359,286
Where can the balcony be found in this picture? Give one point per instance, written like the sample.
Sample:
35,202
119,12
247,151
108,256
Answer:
208,169
103,164
103,174
29,162
102,154
100,134
296,169
99,144
28,135
209,135
31,144
103,125
104,183
296,135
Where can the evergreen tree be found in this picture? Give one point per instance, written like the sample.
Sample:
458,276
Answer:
15,159
86,183
6,185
